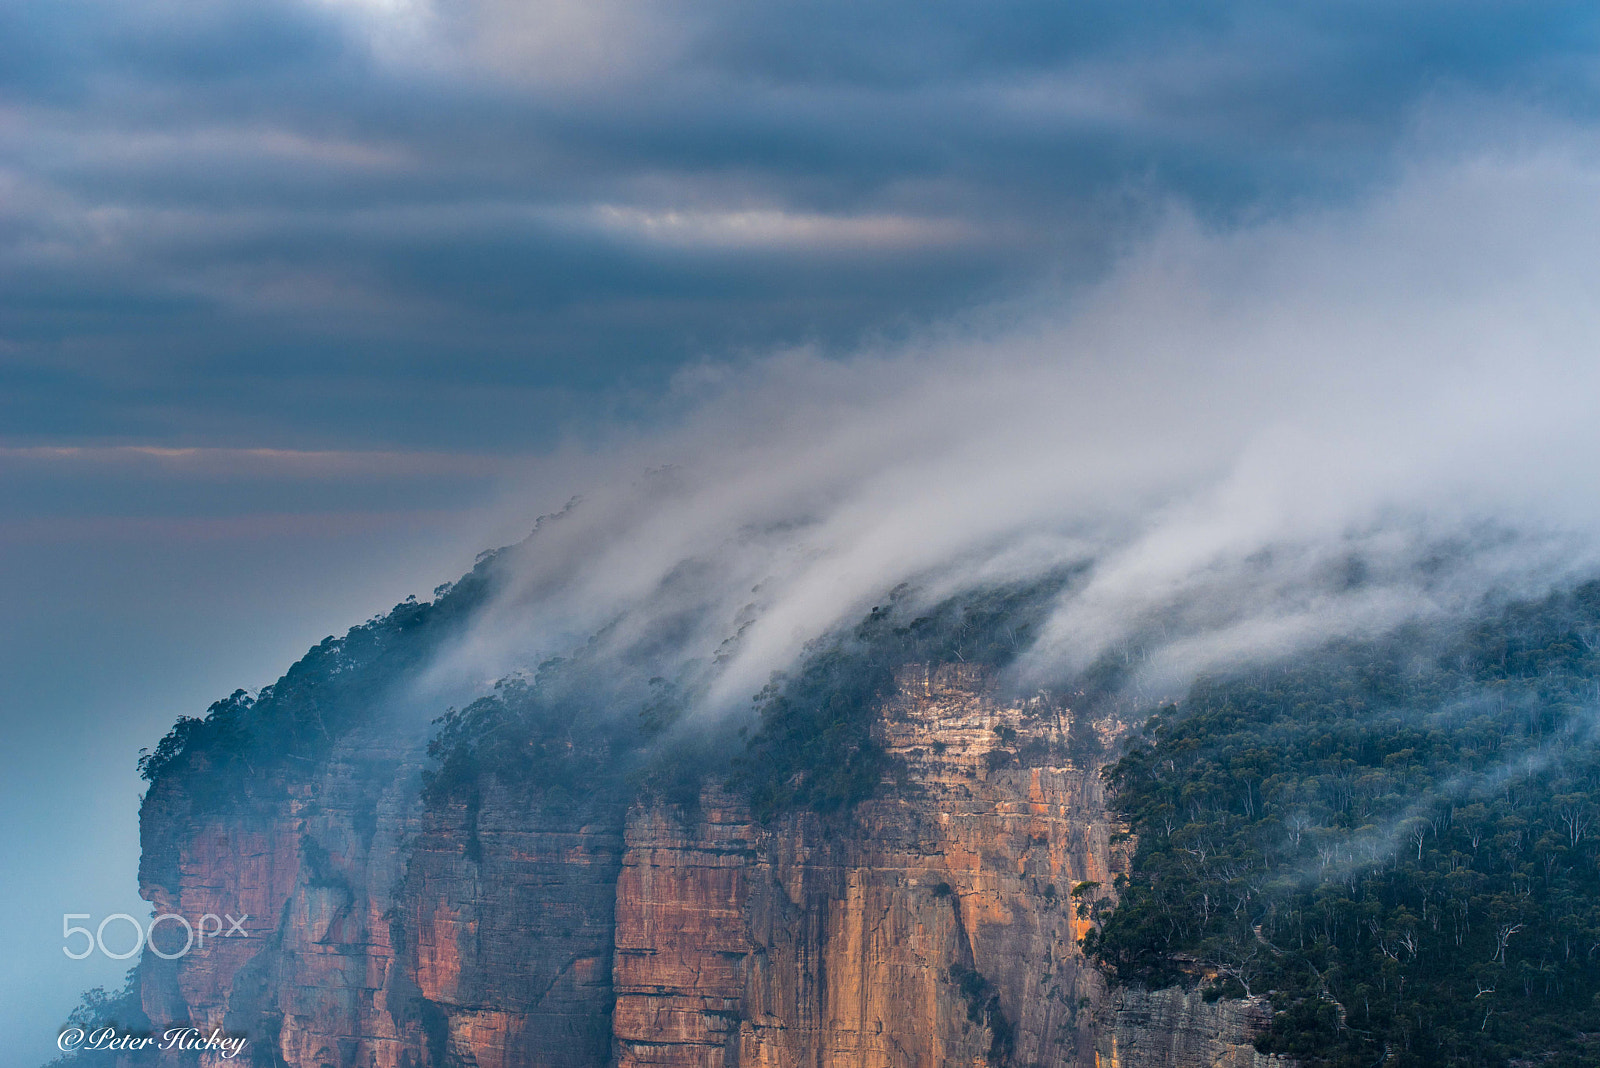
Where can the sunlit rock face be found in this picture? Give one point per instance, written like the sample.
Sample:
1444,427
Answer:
931,925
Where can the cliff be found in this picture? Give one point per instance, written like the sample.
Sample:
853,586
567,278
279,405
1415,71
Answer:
932,924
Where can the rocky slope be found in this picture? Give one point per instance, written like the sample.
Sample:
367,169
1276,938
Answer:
932,925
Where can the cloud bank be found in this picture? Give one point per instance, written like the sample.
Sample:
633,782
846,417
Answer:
410,224
1249,439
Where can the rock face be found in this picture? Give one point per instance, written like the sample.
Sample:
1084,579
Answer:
1150,1027
933,925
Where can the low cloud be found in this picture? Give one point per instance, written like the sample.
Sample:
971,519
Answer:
1250,439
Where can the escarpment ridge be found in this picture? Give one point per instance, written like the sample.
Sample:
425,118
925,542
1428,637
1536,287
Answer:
1381,847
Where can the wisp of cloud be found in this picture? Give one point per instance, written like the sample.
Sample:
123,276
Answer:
1248,439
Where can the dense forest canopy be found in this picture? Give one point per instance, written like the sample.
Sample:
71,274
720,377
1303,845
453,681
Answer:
1394,840
338,685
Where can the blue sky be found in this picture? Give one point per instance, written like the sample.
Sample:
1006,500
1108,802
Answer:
291,289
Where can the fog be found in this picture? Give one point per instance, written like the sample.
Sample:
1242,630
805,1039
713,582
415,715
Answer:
1252,438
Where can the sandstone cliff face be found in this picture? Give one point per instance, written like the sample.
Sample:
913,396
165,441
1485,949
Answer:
933,925
1177,1027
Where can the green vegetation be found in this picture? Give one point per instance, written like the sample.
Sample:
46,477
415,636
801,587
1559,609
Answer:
338,685
550,738
813,744
1394,840
564,738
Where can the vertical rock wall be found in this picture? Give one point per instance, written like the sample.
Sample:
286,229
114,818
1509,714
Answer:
931,926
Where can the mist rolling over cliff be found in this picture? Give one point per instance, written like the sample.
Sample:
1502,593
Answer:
1248,441
1012,535
1198,668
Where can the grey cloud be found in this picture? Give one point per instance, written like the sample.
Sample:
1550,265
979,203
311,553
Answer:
44,485
835,261
342,198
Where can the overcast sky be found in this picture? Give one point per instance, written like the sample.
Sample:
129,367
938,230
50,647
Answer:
358,224
291,291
